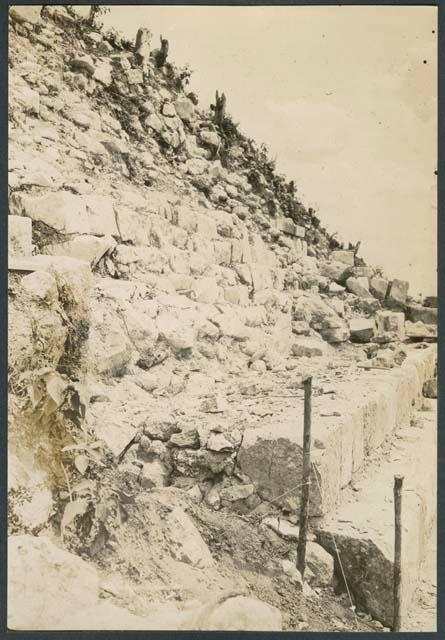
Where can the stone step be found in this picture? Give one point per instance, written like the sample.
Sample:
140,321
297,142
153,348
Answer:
363,526
347,425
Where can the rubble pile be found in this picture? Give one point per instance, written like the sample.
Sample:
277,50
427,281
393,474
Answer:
168,294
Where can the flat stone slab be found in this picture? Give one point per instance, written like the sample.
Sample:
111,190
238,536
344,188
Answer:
363,526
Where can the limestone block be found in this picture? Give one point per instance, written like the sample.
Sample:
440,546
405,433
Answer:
358,286
379,287
361,329
391,321
397,294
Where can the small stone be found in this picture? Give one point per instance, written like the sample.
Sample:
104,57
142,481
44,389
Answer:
83,63
309,347
237,492
186,439
210,138
214,404
218,442
259,366
397,294
430,388
168,110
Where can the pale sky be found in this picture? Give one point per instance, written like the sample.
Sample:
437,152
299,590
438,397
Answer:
344,100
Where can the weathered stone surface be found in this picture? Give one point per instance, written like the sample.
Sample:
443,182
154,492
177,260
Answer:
185,109
379,287
26,14
397,294
390,321
271,457
188,439
287,226
102,74
282,527
178,336
161,426
142,329
210,138
19,236
244,613
153,474
309,347
347,257
187,544
321,565
429,389
418,330
110,426
21,94
358,286
42,286
366,543
46,583
214,404
431,302
362,329
218,442
87,248
417,313
237,492
337,271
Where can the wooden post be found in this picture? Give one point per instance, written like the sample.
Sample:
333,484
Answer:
398,483
304,506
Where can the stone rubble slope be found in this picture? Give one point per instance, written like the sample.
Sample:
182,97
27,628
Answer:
168,294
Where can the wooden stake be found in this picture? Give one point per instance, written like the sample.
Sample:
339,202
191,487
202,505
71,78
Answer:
304,506
398,483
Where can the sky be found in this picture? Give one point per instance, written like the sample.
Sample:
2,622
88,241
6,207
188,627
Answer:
345,98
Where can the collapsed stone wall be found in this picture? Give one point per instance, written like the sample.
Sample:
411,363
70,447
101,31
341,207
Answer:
168,295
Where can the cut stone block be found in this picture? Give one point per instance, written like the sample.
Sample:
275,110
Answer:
358,286
347,257
379,288
287,226
362,329
391,321
397,294
366,542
